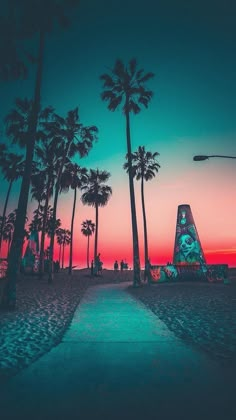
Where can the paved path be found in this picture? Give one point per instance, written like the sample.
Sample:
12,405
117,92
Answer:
118,361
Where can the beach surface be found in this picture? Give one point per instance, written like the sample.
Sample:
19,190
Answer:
201,313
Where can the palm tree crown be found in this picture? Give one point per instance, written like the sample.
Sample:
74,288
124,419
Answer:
96,194
144,164
88,227
95,191
126,82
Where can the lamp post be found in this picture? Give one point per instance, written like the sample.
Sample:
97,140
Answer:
205,157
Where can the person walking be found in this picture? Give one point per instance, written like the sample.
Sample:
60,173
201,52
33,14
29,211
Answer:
116,265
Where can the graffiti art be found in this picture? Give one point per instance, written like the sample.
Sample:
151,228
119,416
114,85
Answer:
30,261
187,249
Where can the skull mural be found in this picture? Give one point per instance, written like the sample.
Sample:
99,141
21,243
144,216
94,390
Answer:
187,248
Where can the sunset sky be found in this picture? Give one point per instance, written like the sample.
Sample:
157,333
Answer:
190,47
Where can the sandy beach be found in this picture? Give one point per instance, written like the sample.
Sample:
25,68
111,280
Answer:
201,313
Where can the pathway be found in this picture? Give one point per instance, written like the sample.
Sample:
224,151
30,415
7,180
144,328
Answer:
119,361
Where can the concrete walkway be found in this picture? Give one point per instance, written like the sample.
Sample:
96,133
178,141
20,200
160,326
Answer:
119,361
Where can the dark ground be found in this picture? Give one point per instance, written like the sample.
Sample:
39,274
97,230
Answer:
201,313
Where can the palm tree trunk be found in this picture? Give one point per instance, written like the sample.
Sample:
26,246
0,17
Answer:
71,232
144,224
54,215
63,250
4,212
96,234
9,293
45,213
60,256
8,250
136,261
88,253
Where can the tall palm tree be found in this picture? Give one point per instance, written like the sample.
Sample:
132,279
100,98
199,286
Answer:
73,177
75,139
48,163
144,167
96,194
88,228
37,18
12,166
66,239
127,84
59,235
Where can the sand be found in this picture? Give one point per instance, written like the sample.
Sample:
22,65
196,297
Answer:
203,314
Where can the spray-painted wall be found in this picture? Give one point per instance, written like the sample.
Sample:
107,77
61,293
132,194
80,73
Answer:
187,248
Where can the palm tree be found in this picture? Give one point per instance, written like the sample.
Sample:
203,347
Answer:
36,222
66,239
59,235
144,167
37,18
47,155
12,169
88,228
73,177
127,84
75,138
8,229
96,194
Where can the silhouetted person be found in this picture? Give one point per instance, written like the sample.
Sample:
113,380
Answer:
98,265
116,265
121,265
92,268
56,266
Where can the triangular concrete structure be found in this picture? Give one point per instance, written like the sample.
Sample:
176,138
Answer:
187,249
31,256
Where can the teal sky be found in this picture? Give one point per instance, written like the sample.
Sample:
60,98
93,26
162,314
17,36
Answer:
188,45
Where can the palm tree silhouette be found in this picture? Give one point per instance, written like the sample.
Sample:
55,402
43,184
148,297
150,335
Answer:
73,177
59,235
12,166
8,229
96,194
47,154
127,84
75,139
66,239
37,18
144,167
88,228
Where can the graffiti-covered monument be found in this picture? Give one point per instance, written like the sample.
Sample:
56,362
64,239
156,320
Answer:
189,262
187,248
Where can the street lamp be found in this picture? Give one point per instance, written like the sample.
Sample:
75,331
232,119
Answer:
205,157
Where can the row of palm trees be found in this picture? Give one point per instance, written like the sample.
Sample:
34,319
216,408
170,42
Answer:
22,21
63,235
124,85
53,170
